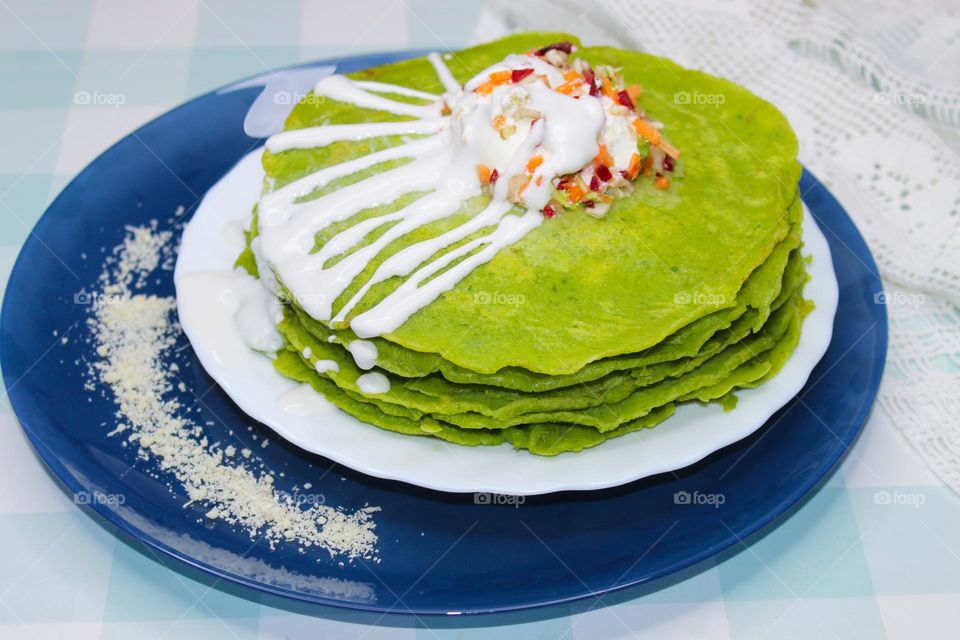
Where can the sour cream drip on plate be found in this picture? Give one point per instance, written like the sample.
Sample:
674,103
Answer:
454,137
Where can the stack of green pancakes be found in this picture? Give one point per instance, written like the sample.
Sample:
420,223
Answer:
586,329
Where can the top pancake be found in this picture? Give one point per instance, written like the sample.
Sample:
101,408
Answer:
594,288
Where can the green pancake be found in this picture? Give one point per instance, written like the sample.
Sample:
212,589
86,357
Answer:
435,394
611,289
554,437
757,293
678,295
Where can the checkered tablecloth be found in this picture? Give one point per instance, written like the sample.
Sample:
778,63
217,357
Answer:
875,553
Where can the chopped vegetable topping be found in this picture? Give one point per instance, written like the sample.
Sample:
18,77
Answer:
603,156
486,88
565,47
646,130
519,74
629,144
507,131
484,173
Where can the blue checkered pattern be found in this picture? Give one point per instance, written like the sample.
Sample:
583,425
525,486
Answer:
875,553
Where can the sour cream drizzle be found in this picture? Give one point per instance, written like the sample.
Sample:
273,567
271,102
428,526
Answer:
442,165
446,78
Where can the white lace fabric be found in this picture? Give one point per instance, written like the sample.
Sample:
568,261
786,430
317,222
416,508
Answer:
873,92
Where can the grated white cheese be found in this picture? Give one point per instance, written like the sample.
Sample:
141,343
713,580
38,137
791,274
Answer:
132,334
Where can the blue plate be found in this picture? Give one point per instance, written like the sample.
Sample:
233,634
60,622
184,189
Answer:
441,553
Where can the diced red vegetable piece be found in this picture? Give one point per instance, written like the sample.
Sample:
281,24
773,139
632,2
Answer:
548,211
494,175
566,47
591,79
604,173
668,163
594,183
519,74
588,204
624,98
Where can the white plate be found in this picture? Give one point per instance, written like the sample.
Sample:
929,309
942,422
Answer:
212,241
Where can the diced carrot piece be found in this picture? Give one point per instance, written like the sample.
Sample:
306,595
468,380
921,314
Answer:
574,192
669,149
608,89
634,91
483,172
499,77
662,182
539,180
566,88
534,162
604,157
647,131
570,75
634,169
486,88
